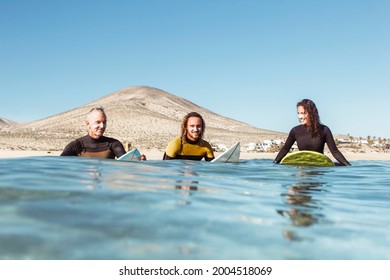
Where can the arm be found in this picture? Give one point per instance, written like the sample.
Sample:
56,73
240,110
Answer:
172,149
208,159
117,148
333,148
72,149
286,147
210,153
166,157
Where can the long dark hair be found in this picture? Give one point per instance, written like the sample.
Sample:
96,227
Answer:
314,118
184,126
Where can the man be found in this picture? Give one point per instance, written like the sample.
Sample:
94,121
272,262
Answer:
190,145
95,144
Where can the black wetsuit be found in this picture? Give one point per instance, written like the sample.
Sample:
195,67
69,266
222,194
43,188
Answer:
305,141
86,146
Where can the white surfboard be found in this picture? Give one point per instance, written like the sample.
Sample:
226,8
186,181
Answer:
230,155
134,154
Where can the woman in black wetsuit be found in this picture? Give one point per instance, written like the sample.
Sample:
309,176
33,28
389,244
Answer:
310,135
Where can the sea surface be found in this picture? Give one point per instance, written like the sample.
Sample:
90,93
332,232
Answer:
78,208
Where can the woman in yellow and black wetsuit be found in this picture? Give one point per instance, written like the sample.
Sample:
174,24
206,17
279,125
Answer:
190,145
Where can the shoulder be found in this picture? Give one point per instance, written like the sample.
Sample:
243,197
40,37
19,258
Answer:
81,140
173,147
175,141
299,126
78,141
296,128
74,147
205,144
108,139
324,128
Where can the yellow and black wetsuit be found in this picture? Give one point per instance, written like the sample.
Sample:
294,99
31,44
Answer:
86,146
189,150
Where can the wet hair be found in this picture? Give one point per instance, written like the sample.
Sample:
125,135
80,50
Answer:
314,118
185,122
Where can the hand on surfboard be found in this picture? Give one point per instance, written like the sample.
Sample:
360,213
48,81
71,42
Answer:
134,154
142,157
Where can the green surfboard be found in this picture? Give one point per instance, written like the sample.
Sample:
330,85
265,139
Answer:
307,158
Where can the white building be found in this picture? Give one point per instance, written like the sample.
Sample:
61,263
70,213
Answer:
263,146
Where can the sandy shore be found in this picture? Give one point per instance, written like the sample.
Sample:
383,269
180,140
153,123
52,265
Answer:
155,154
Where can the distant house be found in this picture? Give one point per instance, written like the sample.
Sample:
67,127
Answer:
251,147
219,148
343,141
263,146
351,141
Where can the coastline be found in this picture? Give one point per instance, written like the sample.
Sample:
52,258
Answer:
155,154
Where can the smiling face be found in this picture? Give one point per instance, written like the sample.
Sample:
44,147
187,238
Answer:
96,124
194,128
303,115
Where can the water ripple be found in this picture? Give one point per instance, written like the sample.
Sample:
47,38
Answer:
62,207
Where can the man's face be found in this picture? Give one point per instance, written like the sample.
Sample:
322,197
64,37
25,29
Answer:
194,128
96,123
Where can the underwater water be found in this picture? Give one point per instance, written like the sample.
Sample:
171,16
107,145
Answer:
79,208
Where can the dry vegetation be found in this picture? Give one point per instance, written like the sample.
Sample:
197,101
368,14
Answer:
143,116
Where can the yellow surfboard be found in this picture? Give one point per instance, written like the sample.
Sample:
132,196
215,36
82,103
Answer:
308,158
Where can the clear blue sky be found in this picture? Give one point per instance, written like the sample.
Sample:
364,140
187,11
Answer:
250,60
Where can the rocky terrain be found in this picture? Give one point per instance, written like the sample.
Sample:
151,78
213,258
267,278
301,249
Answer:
145,117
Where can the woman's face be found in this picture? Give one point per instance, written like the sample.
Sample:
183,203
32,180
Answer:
303,116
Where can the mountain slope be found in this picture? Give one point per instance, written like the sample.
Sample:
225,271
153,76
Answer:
5,122
144,116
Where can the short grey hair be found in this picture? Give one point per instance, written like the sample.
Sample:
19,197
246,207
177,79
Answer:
96,109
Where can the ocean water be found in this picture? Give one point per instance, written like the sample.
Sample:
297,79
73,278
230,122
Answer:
78,208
